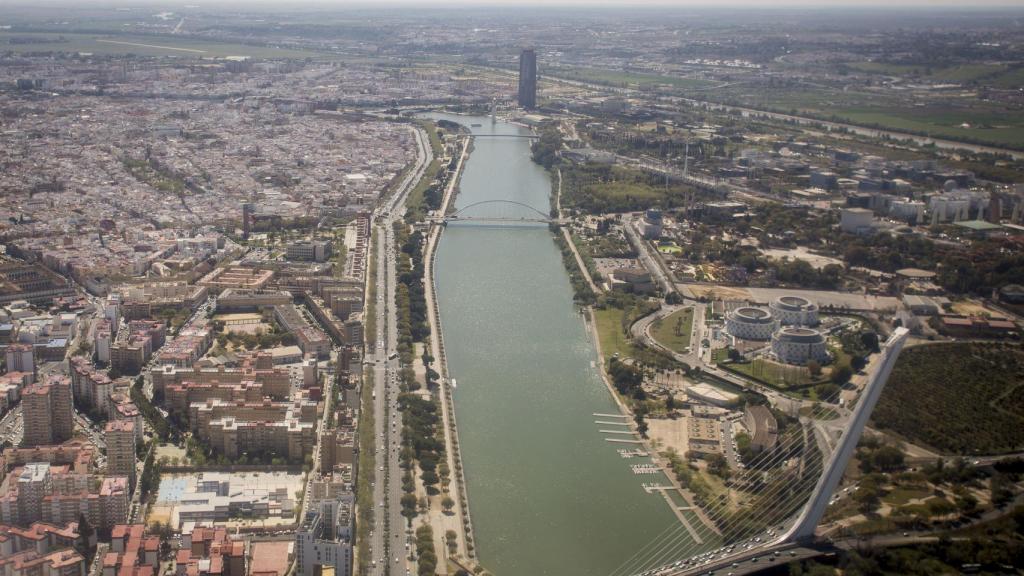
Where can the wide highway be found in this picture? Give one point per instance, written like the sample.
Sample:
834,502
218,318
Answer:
388,552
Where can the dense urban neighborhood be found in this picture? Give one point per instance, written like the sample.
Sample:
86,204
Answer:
671,291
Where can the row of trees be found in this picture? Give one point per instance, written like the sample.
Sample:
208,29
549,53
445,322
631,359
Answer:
582,293
163,430
545,149
422,444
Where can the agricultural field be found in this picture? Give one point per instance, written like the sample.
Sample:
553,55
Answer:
945,116
139,45
974,405
956,74
995,127
1012,78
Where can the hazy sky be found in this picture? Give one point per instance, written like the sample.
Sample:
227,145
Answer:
178,4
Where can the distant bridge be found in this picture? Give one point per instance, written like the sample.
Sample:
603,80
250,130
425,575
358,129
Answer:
527,136
532,215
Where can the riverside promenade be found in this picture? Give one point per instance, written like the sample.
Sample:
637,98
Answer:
459,519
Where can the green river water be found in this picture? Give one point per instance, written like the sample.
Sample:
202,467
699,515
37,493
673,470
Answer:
548,494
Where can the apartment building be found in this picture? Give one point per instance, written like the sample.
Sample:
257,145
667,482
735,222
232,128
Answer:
258,368
48,412
131,552
309,338
91,387
210,551
40,550
142,301
120,438
21,358
324,539
232,428
39,491
134,346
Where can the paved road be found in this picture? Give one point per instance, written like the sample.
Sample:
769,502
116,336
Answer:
12,426
389,535
647,258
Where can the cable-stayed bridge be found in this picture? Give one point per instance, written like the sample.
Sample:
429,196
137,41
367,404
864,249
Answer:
788,489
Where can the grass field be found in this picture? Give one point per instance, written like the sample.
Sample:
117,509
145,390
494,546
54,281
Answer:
1012,78
780,376
673,331
999,129
986,123
141,45
960,73
900,496
600,189
614,339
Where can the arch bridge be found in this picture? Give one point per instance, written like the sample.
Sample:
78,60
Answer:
527,214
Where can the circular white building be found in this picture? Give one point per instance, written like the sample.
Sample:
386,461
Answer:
750,323
795,311
794,345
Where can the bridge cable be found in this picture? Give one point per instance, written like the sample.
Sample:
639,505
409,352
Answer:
773,456
781,452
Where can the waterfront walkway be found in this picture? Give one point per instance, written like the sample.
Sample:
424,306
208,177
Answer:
458,520
660,462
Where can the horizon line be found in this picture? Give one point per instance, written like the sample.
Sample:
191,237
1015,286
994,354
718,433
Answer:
767,5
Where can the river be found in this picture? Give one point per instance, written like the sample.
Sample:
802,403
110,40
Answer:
547,493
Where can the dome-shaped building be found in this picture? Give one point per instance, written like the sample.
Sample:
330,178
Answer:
795,311
750,323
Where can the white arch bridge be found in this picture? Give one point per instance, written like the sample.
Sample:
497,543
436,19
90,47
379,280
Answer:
510,212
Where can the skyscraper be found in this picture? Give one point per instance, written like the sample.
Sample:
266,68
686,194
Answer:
528,78
247,210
